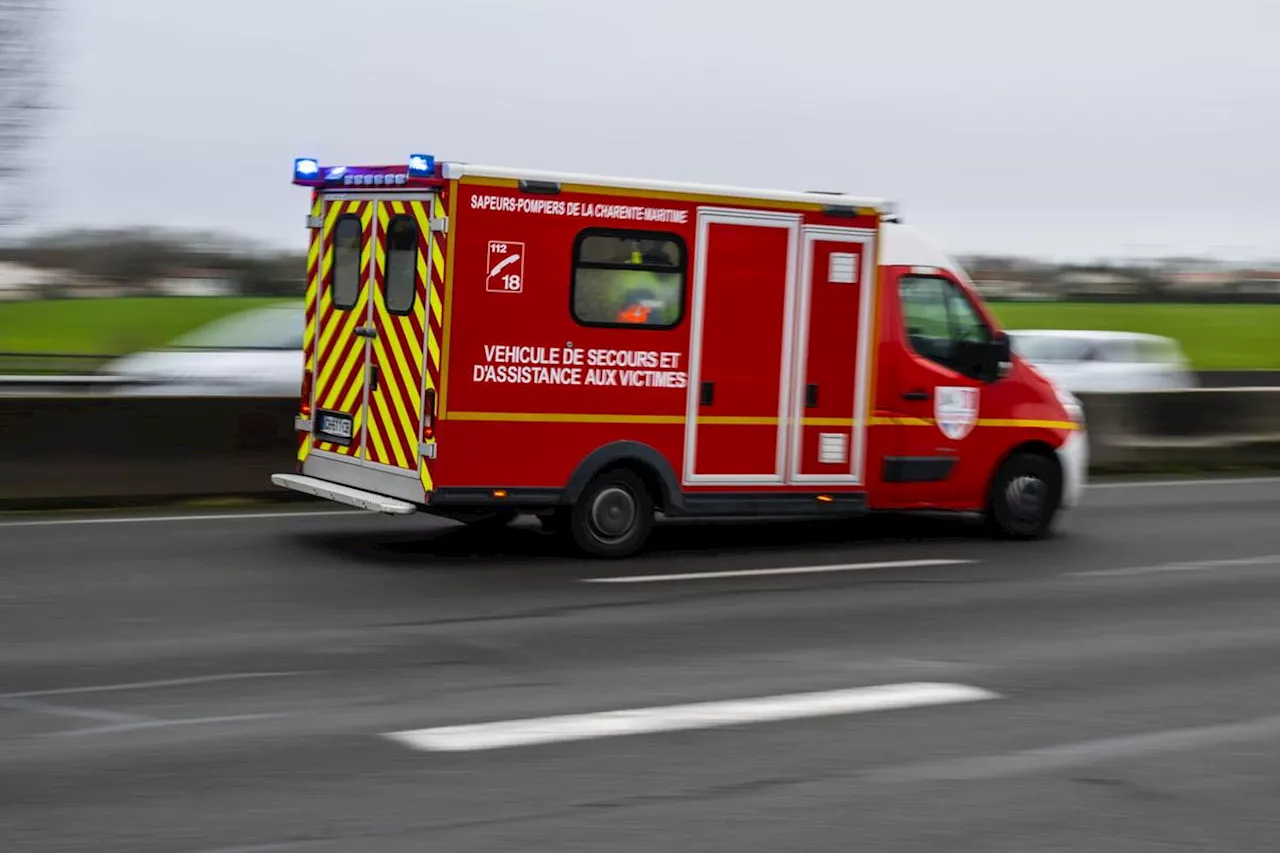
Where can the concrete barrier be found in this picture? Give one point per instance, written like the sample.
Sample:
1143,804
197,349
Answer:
108,447
1238,378
76,449
1207,429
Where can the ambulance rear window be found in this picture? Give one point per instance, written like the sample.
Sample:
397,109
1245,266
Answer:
348,237
402,254
628,278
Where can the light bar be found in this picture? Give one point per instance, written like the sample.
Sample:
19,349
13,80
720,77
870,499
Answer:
421,169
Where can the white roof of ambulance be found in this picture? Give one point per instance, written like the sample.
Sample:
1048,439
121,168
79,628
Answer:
454,171
904,246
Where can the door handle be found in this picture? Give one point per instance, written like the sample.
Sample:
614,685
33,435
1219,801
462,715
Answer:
373,378
367,331
708,393
917,394
810,396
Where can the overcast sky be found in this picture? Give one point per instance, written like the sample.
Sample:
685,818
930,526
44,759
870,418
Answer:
1096,127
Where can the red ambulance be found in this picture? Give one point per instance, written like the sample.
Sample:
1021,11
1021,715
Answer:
482,342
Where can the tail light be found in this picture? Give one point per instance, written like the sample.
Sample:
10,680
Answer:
305,407
429,415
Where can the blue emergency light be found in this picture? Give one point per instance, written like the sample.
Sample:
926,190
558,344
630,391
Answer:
422,166
306,169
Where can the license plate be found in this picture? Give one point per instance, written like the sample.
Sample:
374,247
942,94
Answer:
334,427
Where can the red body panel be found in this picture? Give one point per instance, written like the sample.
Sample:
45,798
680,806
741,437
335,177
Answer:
1019,409
529,392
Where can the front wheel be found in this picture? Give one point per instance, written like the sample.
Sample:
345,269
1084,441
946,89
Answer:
613,516
1025,497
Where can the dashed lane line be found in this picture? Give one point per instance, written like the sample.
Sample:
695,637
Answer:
669,718
783,570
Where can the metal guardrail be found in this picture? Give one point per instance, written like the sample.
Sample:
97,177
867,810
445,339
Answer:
60,383
51,362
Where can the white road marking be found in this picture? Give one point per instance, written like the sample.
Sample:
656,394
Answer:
169,519
165,724
785,570
150,685
1082,752
702,715
111,718
1188,566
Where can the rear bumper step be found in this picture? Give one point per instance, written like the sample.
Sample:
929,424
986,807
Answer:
370,501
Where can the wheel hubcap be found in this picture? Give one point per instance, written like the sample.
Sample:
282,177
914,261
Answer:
613,513
1026,497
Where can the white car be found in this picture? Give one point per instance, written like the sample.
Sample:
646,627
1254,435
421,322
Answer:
1101,361
254,353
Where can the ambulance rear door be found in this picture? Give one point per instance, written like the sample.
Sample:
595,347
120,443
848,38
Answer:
377,353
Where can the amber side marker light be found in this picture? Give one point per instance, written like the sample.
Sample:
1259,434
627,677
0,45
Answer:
499,493
826,499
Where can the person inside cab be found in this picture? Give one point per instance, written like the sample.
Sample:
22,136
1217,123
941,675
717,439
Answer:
641,305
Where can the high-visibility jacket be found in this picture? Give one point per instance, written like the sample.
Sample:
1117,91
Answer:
634,314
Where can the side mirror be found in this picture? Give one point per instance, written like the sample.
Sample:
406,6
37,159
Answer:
986,361
1001,356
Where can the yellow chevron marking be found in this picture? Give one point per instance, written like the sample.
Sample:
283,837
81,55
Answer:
387,420
337,374
313,252
437,259
434,347
391,358
437,310
334,374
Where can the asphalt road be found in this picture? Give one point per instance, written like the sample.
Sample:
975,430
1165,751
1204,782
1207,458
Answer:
230,684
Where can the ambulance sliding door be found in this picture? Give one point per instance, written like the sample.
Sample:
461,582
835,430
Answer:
740,352
830,374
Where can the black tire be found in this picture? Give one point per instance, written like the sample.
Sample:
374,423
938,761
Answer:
1025,497
613,516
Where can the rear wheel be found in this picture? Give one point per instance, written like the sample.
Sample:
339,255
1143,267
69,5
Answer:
613,516
1025,497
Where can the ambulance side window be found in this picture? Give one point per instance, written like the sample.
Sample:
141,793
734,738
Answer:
348,237
402,255
628,278
938,318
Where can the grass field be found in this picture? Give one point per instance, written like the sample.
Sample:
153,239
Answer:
109,326
1214,336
